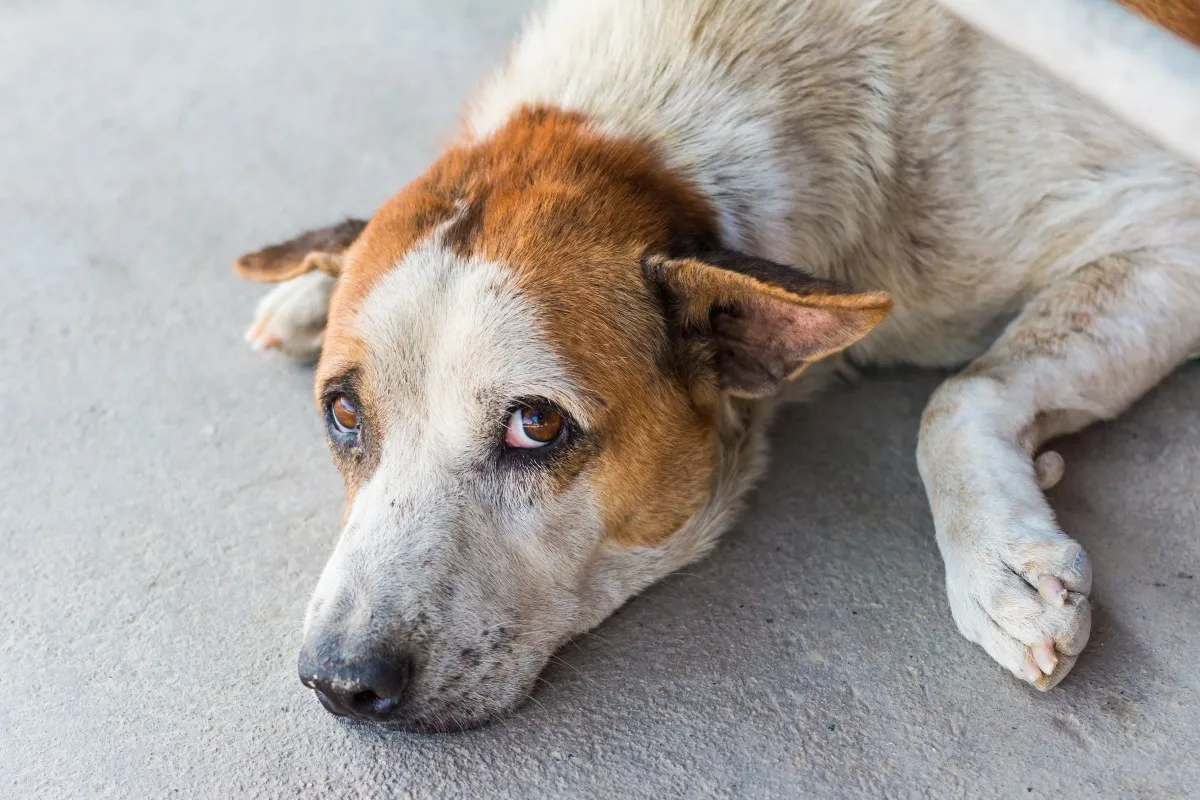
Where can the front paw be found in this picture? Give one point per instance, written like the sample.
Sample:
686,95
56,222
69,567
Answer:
1020,591
291,317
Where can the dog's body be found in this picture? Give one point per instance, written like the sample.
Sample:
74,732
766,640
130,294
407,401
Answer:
614,214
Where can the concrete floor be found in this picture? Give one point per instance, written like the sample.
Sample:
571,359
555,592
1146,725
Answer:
166,502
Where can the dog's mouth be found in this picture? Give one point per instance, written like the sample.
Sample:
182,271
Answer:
436,717
429,724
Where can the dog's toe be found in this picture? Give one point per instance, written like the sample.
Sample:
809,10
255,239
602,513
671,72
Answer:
1049,468
1025,602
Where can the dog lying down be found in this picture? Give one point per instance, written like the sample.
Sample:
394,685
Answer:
547,364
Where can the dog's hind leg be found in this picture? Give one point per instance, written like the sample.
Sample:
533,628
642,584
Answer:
1083,350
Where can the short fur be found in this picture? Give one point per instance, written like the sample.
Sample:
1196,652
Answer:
608,234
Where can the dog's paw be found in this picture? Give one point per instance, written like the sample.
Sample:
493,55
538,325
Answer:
1023,597
291,317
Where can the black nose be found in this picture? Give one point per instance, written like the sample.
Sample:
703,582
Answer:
368,688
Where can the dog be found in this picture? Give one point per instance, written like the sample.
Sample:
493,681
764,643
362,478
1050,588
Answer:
547,365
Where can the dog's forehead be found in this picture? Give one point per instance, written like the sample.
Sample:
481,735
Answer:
442,333
566,210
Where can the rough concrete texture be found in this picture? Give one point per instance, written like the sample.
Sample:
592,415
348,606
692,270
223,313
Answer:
167,502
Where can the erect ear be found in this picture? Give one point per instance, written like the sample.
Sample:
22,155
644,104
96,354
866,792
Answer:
318,249
764,322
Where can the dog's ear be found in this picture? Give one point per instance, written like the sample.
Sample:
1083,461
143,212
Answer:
760,322
318,249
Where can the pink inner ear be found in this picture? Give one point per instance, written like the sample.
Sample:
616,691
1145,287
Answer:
807,333
795,333
765,341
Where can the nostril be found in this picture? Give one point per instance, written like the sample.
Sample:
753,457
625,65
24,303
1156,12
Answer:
364,702
330,705
368,703
367,688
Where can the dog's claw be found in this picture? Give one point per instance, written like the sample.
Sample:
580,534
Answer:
1032,671
1045,658
1052,590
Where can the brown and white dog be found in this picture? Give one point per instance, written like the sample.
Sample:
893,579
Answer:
547,364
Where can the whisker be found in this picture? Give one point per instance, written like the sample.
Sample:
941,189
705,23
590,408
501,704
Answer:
576,670
685,574
530,696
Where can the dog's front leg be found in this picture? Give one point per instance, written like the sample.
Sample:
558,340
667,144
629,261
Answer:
291,317
1084,349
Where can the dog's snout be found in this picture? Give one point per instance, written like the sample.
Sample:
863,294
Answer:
369,687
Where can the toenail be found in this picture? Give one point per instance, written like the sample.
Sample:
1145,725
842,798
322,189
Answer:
1051,589
1044,655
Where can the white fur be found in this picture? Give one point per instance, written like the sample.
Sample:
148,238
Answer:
1083,350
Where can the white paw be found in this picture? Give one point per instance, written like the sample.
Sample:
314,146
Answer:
291,317
1021,594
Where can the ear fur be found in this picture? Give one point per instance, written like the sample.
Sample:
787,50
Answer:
764,322
319,249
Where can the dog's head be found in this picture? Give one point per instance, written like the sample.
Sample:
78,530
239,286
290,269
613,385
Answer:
539,379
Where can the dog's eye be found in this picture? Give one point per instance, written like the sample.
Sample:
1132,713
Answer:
531,426
344,414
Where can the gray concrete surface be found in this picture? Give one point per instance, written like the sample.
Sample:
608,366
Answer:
166,502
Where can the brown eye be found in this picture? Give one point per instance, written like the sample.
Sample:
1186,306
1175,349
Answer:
345,415
533,426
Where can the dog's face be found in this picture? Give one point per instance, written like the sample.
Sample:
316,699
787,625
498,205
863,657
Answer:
539,407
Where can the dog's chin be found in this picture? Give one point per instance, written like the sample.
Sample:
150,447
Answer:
449,721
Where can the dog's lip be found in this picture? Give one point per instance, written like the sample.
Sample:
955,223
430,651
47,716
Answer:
401,725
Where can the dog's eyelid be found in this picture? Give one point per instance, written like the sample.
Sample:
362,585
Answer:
575,406
344,384
330,395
